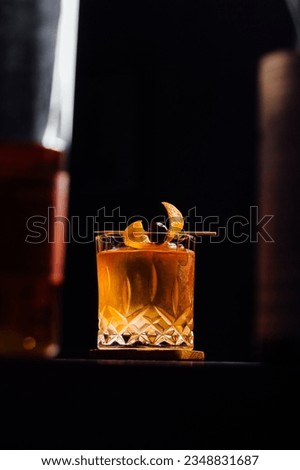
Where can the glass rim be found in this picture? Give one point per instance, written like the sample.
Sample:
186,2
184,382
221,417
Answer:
147,232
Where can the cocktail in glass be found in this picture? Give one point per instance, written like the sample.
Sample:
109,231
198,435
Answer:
146,295
146,285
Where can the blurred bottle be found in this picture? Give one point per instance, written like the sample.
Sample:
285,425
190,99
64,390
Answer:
38,43
278,262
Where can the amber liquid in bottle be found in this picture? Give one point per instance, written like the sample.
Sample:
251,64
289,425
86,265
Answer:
33,193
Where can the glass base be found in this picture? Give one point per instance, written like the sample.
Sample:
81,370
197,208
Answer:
146,353
161,341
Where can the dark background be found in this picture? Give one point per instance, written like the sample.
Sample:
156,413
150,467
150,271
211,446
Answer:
166,110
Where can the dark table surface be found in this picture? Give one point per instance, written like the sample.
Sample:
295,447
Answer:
78,403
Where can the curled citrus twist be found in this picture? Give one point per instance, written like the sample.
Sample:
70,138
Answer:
175,221
136,237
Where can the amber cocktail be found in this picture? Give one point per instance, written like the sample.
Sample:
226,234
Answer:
146,292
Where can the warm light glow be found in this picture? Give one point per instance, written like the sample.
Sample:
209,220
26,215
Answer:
29,343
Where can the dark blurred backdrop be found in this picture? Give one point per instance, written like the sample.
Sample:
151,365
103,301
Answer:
166,110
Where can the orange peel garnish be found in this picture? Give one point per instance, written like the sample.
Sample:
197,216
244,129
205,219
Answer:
175,220
135,236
